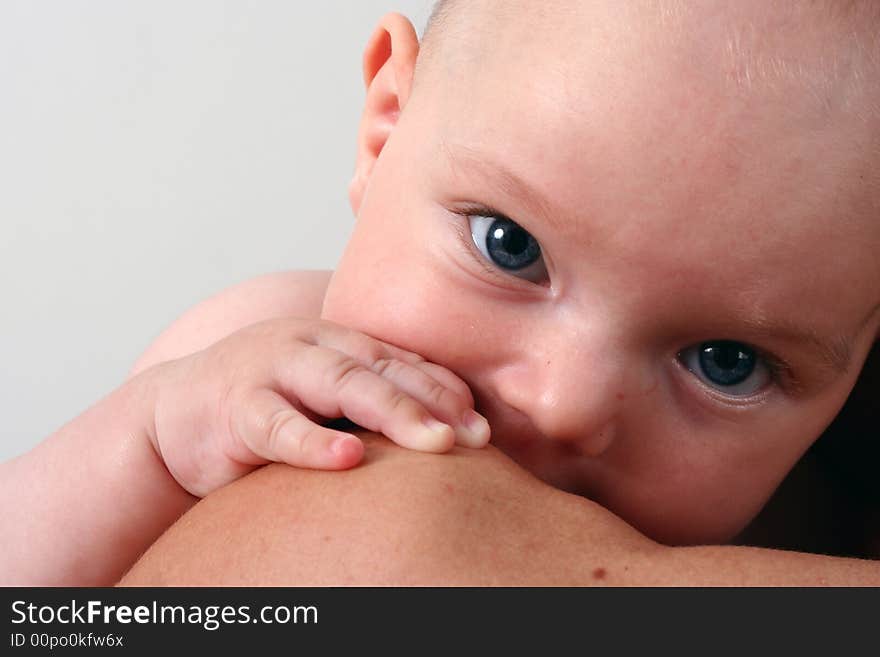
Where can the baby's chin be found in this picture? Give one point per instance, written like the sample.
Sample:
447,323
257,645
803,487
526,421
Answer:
554,463
683,533
559,467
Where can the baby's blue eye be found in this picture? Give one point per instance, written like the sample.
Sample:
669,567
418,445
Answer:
509,246
730,367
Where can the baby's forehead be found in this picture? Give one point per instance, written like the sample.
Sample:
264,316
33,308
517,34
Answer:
749,41
747,139
739,86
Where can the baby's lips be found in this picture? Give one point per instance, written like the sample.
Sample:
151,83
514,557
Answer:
473,431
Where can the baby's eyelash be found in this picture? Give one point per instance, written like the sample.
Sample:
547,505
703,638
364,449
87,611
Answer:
467,243
475,209
780,371
462,229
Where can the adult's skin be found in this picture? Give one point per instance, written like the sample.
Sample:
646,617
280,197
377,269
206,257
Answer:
470,517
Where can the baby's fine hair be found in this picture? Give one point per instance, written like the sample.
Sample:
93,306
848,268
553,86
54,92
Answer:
858,22
842,71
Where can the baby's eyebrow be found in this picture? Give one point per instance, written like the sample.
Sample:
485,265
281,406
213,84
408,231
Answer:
465,161
834,353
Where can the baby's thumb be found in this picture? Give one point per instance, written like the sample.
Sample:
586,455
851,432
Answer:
268,425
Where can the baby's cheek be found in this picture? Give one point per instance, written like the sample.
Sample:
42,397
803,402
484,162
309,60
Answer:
406,308
705,499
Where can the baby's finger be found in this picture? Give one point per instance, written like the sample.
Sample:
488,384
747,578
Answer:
272,429
442,392
344,387
359,345
368,350
471,429
449,379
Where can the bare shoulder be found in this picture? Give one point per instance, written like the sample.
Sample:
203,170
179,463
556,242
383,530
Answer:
278,294
468,517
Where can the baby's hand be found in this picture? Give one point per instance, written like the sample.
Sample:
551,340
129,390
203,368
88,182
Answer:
261,394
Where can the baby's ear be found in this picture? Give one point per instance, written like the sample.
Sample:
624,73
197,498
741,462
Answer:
389,64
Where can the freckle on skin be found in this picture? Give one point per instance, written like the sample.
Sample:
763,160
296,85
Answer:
599,573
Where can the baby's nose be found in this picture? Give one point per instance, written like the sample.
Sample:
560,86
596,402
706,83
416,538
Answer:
567,397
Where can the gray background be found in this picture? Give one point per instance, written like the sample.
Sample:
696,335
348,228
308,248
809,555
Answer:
153,152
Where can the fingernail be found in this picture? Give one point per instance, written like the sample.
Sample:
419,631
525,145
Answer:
474,429
344,446
443,434
436,425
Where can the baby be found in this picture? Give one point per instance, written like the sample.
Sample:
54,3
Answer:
638,238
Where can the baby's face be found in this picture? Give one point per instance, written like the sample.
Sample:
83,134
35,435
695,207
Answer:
656,269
